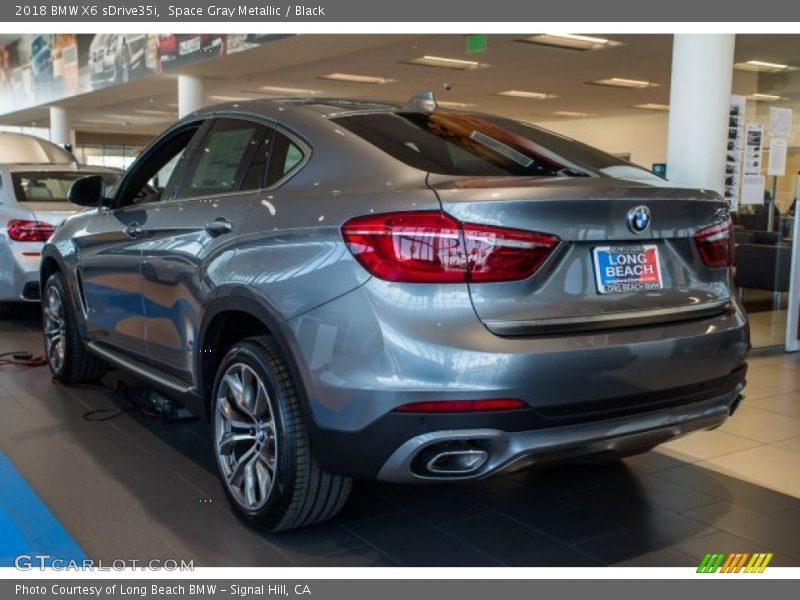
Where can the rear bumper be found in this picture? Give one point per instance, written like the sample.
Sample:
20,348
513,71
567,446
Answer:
19,272
397,446
505,452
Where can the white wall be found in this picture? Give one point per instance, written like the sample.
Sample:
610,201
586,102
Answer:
643,136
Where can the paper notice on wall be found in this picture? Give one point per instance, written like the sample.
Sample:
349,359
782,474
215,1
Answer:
753,149
733,160
780,122
777,156
753,189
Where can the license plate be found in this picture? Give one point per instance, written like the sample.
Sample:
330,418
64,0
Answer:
620,269
97,67
189,46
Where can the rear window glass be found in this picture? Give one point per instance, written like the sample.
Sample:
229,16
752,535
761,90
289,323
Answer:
50,186
456,143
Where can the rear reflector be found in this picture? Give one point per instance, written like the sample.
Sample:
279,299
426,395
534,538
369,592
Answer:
29,231
452,406
433,247
716,245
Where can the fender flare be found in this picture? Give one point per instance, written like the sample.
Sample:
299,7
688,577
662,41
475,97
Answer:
239,298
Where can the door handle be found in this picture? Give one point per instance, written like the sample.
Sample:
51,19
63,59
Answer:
134,230
219,226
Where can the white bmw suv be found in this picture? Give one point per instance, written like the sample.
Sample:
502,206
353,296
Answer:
35,176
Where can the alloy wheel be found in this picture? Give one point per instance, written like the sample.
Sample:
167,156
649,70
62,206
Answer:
245,436
54,332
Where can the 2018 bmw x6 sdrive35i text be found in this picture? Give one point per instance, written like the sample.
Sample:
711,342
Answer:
351,289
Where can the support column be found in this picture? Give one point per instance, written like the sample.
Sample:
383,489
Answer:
699,107
190,94
60,132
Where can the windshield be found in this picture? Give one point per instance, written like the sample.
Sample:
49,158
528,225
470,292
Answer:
458,143
50,186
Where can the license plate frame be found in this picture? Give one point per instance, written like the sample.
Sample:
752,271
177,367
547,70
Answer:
639,271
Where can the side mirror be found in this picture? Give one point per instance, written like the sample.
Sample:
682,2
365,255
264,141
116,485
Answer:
87,191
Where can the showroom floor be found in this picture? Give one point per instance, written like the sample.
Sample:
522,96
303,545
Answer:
136,487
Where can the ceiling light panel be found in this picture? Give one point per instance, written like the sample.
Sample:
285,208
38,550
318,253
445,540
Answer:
570,113
652,106
622,82
570,41
288,91
444,62
352,78
760,66
526,94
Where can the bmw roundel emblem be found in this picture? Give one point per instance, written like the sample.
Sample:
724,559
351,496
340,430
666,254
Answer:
638,219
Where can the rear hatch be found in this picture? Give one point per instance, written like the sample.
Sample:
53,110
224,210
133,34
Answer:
591,218
50,212
43,190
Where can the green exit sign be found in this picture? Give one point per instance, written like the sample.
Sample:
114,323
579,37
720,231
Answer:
476,43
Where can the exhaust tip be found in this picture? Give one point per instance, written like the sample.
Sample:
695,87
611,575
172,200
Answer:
735,404
456,462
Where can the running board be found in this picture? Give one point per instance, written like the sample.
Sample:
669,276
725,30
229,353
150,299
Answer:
141,369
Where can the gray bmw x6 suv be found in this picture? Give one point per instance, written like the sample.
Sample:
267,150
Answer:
351,289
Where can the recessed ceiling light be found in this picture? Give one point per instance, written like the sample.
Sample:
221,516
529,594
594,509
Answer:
569,41
229,98
451,104
763,97
760,66
149,111
447,63
570,113
622,82
652,106
350,78
276,89
524,94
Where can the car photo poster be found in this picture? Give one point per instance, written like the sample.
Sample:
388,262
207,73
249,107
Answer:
733,159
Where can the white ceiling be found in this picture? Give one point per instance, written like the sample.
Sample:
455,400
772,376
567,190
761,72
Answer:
300,62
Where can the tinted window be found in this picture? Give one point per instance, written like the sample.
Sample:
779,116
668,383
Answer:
254,175
286,155
456,143
156,167
222,158
50,186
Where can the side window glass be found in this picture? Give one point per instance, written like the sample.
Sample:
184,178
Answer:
253,178
293,157
285,156
147,179
222,158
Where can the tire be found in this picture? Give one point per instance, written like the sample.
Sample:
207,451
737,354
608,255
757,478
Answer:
267,470
68,359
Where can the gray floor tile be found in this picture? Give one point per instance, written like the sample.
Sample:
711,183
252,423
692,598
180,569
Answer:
730,489
625,548
515,545
414,542
363,556
754,526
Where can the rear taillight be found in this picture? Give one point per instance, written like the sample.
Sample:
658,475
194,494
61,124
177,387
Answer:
716,245
29,231
433,247
451,406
